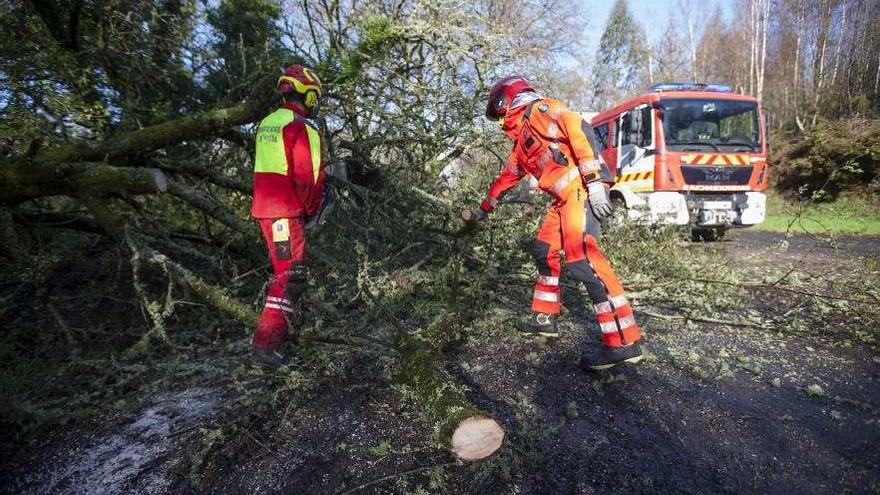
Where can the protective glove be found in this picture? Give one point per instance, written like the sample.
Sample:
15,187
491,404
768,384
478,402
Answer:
473,216
597,193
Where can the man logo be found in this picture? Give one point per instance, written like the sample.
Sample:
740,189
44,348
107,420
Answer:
718,174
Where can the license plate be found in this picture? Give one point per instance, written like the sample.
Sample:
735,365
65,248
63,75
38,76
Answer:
717,205
722,217
715,217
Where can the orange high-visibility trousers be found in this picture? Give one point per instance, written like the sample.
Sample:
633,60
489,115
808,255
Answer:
570,226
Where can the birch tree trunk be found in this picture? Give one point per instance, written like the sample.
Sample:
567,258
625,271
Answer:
763,25
840,35
752,45
877,76
819,64
688,9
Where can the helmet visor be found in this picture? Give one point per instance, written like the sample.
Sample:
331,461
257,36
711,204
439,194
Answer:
497,107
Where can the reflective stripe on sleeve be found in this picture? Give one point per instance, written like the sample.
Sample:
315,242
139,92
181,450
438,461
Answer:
548,280
546,296
603,307
589,166
493,202
572,174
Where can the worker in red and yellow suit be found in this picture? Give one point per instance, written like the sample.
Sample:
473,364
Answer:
288,193
556,146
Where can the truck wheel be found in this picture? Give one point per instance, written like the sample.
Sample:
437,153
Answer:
707,234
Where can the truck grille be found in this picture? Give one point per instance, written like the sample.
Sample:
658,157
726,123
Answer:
716,175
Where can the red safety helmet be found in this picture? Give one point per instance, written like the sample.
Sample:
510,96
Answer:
302,80
503,93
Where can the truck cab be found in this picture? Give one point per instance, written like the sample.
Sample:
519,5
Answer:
687,154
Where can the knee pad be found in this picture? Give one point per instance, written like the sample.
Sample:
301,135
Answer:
296,281
581,270
540,251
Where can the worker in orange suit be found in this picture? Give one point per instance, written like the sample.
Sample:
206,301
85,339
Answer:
288,199
558,148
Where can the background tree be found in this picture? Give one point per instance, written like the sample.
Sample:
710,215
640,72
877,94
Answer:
620,60
670,54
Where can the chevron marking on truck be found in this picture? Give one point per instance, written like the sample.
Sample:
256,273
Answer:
634,176
715,159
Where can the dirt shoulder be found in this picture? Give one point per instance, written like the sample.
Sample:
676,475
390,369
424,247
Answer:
851,245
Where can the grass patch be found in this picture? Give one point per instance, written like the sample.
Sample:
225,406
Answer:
846,215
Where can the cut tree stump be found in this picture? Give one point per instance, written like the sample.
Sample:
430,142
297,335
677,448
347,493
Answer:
476,438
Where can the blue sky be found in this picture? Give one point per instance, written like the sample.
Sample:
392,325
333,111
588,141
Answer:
653,14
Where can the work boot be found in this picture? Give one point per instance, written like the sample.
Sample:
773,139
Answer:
269,359
542,324
608,357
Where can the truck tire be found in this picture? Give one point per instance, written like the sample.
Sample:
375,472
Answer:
707,234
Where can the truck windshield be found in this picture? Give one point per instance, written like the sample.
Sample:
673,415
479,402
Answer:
718,125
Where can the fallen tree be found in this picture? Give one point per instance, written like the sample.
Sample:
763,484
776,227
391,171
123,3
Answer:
191,127
469,432
79,169
172,193
25,181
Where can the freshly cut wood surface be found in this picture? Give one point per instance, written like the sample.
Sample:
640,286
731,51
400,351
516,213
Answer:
477,438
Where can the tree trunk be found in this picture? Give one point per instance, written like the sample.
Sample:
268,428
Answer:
470,433
159,135
877,77
22,182
79,170
467,431
213,208
796,83
764,27
839,46
692,39
819,60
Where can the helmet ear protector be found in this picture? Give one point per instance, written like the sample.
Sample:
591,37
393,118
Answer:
311,99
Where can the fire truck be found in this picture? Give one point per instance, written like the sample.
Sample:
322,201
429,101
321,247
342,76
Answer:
687,154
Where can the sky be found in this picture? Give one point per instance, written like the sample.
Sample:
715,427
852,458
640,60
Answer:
651,14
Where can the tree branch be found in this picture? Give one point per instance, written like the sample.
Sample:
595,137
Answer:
167,133
24,181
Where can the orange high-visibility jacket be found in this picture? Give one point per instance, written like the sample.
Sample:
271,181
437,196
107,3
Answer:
554,145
